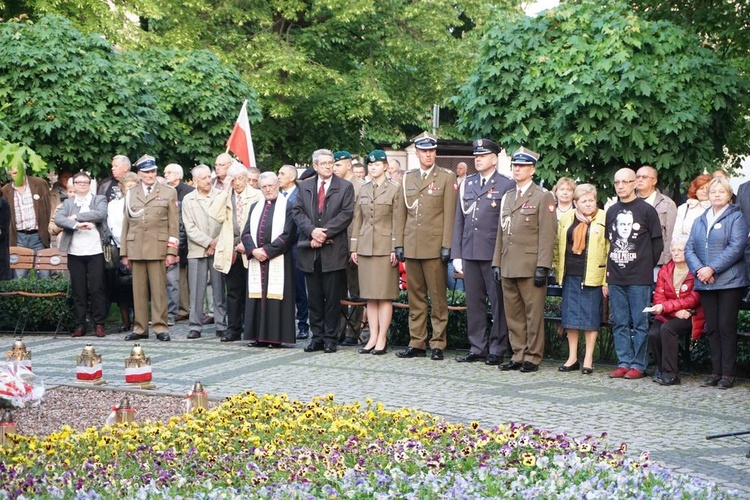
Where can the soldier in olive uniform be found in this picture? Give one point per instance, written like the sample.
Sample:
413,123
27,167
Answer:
523,259
474,236
430,197
378,213
149,245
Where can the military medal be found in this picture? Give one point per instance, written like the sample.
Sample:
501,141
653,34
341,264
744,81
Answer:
493,204
429,190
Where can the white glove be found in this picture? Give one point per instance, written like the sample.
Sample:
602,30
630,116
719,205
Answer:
458,266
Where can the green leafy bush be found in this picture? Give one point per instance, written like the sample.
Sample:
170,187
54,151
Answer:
39,313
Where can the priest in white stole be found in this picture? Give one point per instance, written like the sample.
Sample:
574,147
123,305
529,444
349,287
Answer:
268,237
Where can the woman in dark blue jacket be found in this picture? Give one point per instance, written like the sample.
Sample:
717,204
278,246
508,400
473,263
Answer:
715,255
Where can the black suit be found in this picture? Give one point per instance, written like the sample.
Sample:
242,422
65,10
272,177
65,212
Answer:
324,267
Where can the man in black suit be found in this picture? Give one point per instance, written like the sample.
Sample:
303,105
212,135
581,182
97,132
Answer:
323,210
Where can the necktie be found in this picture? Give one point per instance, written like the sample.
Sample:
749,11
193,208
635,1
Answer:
424,176
240,206
321,197
284,193
518,194
148,190
484,181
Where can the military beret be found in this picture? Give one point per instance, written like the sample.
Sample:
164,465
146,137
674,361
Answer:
425,143
485,146
524,156
376,155
341,155
145,163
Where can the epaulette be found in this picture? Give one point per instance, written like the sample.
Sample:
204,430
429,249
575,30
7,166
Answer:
394,182
446,170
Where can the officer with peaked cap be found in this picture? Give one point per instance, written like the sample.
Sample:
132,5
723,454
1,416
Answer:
149,245
522,260
430,196
474,237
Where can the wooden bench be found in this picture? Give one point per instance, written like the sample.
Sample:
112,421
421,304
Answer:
48,259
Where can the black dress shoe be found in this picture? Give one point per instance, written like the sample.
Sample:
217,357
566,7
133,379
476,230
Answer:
258,344
136,336
469,358
221,333
124,328
412,352
194,334
587,371
565,368
348,341
303,334
314,346
528,367
363,350
437,355
228,337
163,336
329,348
669,381
510,365
493,360
711,381
379,352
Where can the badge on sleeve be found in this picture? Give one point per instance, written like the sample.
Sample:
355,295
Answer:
455,186
551,208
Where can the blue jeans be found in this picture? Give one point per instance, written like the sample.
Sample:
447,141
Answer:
626,306
34,242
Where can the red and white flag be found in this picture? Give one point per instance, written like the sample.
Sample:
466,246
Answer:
240,141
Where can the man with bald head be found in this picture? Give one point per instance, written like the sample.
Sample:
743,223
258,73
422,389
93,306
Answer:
221,165
461,170
634,232
646,179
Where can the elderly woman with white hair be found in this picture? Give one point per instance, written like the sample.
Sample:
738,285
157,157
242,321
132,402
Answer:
231,208
678,312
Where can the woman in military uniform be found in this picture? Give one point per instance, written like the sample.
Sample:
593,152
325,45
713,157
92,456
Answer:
377,229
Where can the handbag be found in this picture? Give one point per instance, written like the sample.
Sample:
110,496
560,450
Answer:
110,251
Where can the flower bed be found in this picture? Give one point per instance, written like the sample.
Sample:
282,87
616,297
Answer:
271,446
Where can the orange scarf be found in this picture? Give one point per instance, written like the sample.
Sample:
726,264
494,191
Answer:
579,232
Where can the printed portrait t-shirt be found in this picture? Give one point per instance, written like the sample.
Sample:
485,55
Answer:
635,243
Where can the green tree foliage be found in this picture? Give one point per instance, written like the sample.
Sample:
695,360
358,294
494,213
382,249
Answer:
340,74
77,101
593,87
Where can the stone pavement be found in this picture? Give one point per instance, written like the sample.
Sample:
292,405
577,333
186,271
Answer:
671,423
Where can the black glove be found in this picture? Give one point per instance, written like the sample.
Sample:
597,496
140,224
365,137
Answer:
496,275
445,255
400,254
540,277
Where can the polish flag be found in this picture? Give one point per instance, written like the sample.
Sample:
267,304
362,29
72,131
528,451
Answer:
240,141
136,374
89,373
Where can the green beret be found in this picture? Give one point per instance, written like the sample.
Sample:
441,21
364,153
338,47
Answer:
376,155
341,155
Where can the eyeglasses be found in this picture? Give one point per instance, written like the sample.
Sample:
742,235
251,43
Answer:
325,163
622,183
81,182
645,177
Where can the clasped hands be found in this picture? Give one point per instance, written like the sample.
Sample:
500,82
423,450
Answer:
318,237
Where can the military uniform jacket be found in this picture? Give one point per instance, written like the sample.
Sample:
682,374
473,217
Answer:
430,210
526,234
150,228
378,226
337,215
477,216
